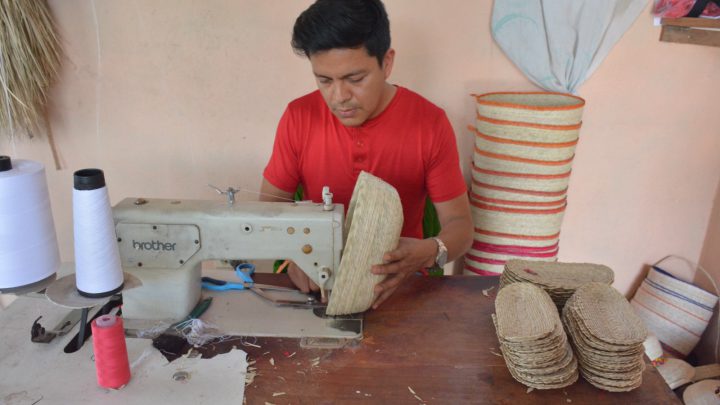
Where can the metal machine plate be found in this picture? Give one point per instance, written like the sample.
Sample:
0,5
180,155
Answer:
164,246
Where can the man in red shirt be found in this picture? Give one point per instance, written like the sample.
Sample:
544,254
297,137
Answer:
358,121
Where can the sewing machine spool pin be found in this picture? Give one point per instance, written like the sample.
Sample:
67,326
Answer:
229,192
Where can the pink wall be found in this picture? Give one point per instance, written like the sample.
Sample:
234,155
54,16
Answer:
710,261
167,96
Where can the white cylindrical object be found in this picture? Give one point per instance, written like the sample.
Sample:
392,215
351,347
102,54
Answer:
98,272
28,245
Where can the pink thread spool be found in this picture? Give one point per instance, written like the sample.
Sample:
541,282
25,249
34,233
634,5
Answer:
111,358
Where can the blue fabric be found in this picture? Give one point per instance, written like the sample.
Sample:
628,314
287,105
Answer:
557,44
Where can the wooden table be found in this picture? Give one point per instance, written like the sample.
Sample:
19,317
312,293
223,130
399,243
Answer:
434,336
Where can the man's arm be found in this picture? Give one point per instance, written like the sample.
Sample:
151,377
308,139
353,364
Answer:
415,254
270,193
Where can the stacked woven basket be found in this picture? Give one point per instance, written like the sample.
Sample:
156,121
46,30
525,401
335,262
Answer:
605,334
524,147
532,339
607,337
559,280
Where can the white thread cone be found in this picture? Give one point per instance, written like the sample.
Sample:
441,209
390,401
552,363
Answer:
97,260
28,246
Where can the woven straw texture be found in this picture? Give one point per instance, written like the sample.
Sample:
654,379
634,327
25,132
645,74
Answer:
528,183
515,239
527,150
520,223
372,227
523,154
607,337
559,280
524,313
536,108
505,163
472,268
508,194
519,131
499,203
673,310
608,315
532,339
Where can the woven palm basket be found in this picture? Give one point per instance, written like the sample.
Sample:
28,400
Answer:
506,163
532,339
531,107
607,315
527,182
524,149
521,131
526,254
499,238
500,203
472,267
517,195
517,221
372,228
525,313
559,280
607,337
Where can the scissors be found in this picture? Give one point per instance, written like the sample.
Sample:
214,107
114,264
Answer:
244,272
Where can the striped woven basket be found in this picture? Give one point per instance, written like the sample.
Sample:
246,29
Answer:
522,131
675,311
517,221
497,257
473,267
549,183
500,238
548,151
477,198
531,107
511,194
506,163
524,148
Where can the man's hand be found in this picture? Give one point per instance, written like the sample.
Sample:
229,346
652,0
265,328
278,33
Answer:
410,256
301,280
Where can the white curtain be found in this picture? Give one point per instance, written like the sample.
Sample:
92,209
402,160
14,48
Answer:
558,44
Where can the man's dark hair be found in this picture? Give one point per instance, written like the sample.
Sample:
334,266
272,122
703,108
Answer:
338,24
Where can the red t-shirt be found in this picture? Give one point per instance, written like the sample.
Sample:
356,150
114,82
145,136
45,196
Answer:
410,145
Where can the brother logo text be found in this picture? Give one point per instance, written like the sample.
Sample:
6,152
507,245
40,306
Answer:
153,245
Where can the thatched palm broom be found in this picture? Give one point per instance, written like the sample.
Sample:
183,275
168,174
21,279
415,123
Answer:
29,62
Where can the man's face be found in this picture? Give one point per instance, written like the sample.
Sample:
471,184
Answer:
353,83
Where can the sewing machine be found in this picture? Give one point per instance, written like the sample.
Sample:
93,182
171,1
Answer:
164,242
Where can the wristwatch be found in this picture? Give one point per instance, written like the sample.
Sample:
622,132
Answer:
442,253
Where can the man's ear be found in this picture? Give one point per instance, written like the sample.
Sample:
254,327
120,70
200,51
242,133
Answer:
388,60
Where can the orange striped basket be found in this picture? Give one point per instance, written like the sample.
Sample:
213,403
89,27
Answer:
551,183
524,149
531,107
511,194
547,151
522,131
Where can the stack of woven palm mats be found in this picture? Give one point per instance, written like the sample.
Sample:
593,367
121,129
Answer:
524,148
559,280
607,337
532,339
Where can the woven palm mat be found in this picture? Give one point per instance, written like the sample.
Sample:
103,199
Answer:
607,337
372,227
532,339
559,280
